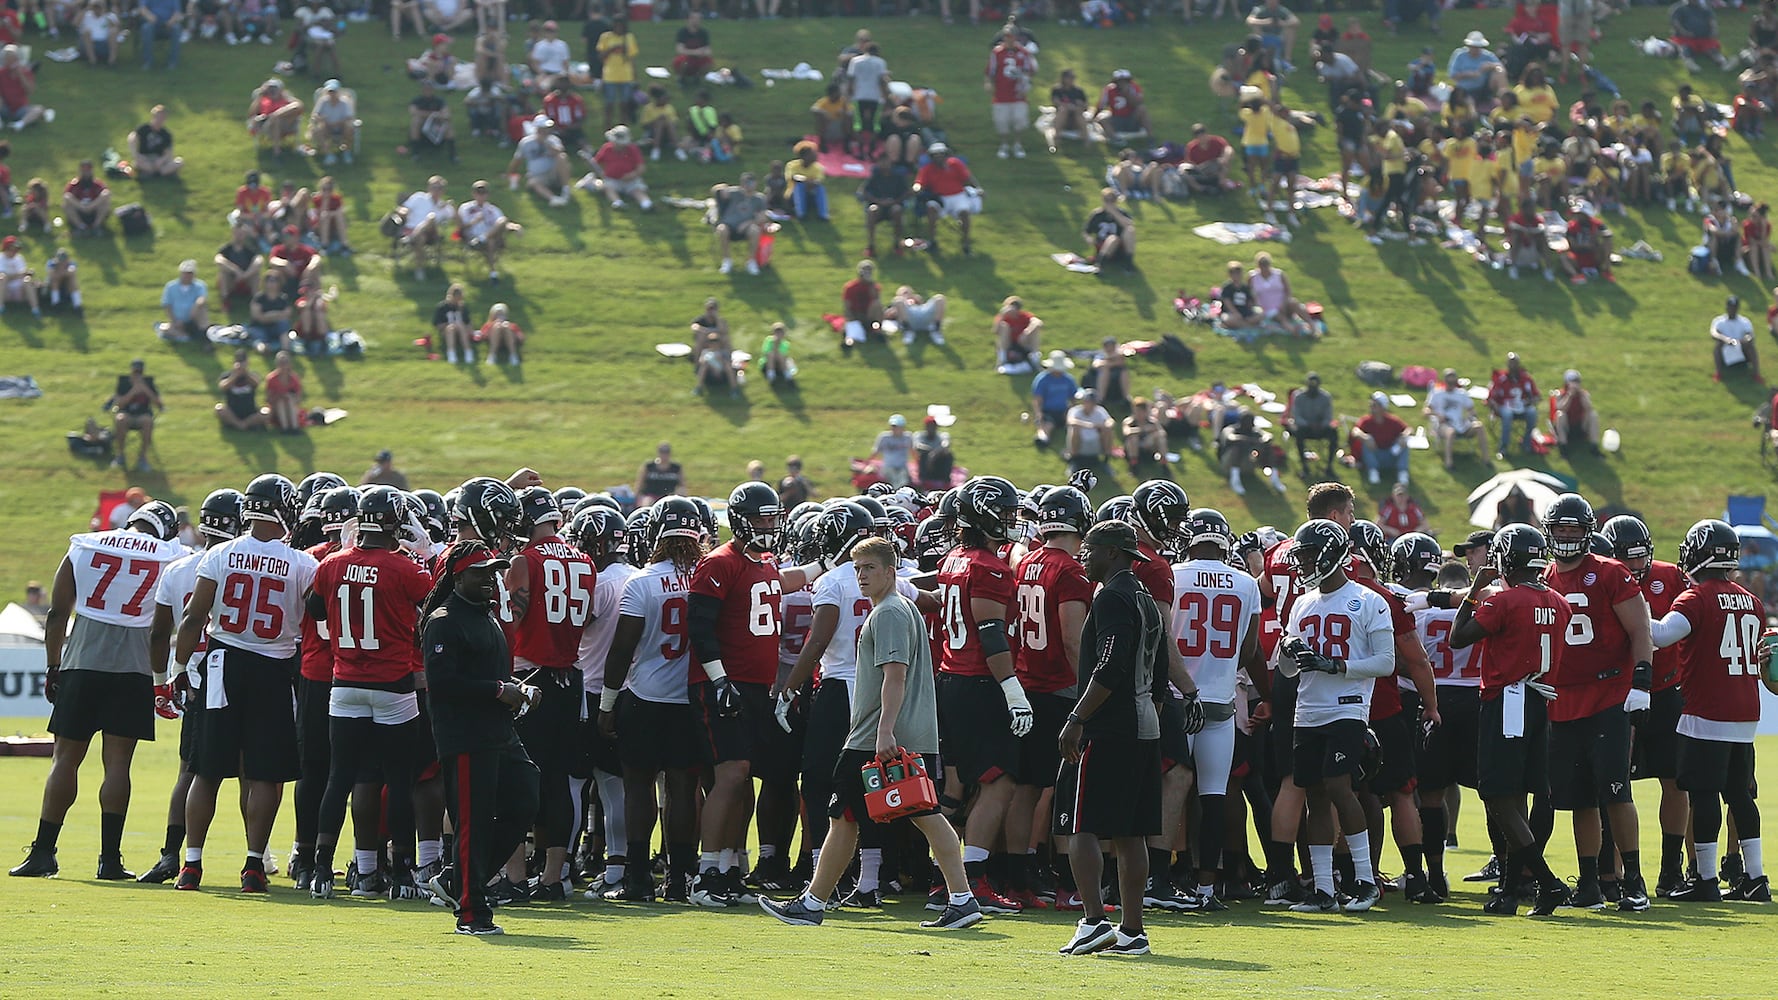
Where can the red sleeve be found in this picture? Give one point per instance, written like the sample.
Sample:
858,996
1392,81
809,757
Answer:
419,583
924,177
1622,585
1682,605
990,586
1072,585
1491,613
713,576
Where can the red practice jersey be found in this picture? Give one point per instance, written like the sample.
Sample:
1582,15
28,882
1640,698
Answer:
969,575
748,627
1660,588
1157,578
373,601
1386,694
317,638
1047,578
1719,664
1525,626
1595,672
560,578
1010,68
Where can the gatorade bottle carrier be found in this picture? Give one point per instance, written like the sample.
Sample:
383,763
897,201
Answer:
897,788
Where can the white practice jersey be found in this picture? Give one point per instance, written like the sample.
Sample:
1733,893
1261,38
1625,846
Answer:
259,594
1352,623
1213,604
1456,667
796,614
115,574
595,642
838,588
177,582
658,595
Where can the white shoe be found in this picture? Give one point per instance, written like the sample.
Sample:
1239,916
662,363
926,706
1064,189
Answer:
679,154
587,182
1741,267
1001,152
937,338
559,200
726,266
645,204
1277,483
451,357
1018,151
1090,937
1513,272
1372,476
655,154
617,203
231,39
1402,477
1235,483
265,39
753,267
907,338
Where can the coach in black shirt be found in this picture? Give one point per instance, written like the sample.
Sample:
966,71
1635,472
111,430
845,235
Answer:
491,786
1110,786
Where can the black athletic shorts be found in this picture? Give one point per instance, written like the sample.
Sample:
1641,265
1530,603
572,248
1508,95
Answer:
778,755
655,735
848,785
596,752
1707,767
426,753
743,736
89,702
1114,791
1040,755
312,740
1397,736
977,731
1590,760
1519,765
1281,731
253,737
1176,748
1448,753
188,729
1327,751
551,729
1655,741
826,726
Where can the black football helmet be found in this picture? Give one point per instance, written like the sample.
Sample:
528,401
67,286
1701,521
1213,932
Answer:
1568,523
1710,544
338,506
1161,507
706,517
491,509
1063,510
314,484
990,505
1207,526
157,518
756,516
1414,552
808,508
592,500
839,528
639,536
1116,509
1319,549
1369,544
537,507
437,522
1517,548
382,510
1031,501
1599,545
677,517
902,526
931,542
451,497
566,497
879,515
600,533
270,497
1630,544
219,517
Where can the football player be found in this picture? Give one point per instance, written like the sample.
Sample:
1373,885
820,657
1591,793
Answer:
1338,640
1519,626
1716,624
1216,628
1654,735
645,704
600,532
327,513
550,587
487,510
369,598
249,598
310,523
100,676
1609,655
219,519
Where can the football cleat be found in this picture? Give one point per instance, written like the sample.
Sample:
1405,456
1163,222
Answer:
1732,870
955,917
190,878
1611,889
1549,897
711,889
634,890
1090,937
1285,893
1668,881
1635,897
548,892
1364,895
1417,889
253,881
938,899
1028,900
773,875
1501,903
736,883
371,885
990,900
677,888
37,864
321,886
484,929
1751,890
860,899
1317,902
1490,872
303,873
1586,896
1128,944
164,870
503,892
1706,890
793,911
443,884
111,869
1069,901
1161,895
1440,886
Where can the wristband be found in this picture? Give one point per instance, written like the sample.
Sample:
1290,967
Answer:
608,699
1438,599
714,671
160,677
500,692
1077,720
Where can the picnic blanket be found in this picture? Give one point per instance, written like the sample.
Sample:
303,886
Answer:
1232,233
19,387
837,162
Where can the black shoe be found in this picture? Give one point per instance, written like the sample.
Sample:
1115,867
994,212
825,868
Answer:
303,872
486,928
1549,897
37,864
1363,896
1416,889
504,892
773,875
1751,890
1733,869
403,886
1707,890
548,892
443,885
1635,896
678,888
633,890
111,869
1439,884
955,917
1668,881
164,870
1490,872
863,899
1501,904
1317,902
712,890
371,885
1612,890
1161,895
1285,893
1586,896
737,886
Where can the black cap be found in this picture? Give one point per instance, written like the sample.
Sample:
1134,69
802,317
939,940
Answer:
1116,534
1476,540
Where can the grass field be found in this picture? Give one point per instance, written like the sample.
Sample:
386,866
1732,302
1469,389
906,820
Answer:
75,937
597,289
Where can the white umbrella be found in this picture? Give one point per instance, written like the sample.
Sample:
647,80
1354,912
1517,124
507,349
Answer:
1541,487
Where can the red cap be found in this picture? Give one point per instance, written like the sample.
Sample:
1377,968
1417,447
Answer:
440,39
9,242
1325,22
292,231
471,555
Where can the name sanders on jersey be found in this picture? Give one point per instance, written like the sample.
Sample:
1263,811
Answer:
255,563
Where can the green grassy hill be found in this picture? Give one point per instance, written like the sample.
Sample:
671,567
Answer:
597,289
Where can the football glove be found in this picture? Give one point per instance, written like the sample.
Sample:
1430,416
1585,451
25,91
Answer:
532,696
52,679
1637,701
1194,714
1416,601
1018,706
1643,677
1544,690
728,698
781,711
414,536
166,704
1309,660
1083,480
1248,543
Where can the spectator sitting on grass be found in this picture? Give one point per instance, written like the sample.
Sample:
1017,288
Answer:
701,119
775,358
892,450
1052,393
1589,246
327,217
436,63
549,54
405,9
545,162
16,272
1145,438
1384,439
1310,417
332,125
270,316
620,165
1453,415
1271,294
185,302
1242,449
1398,514
1734,343
902,138
1207,159
240,409
1576,421
61,282
484,227
1121,106
883,194
98,34
151,146
275,115
451,321
564,106
832,119
659,124
135,400
1693,26
35,210
1109,375
284,395
447,15
917,315
86,202
1070,121
238,264
429,123
692,56
715,352
740,215
862,302
311,324
1236,298
1089,433
1018,337
298,260
17,83
500,333
1111,233
808,191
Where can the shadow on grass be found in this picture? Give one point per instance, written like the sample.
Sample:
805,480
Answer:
165,198
878,354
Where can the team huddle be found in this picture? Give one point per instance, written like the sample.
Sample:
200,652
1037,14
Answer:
509,688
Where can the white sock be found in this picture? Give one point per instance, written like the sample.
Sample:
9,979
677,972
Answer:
767,852
430,851
727,860
1360,846
707,860
870,865
1707,861
814,858
256,855
812,903
611,796
194,855
74,297
1751,859
973,854
614,872
364,861
961,898
1321,859
1206,891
